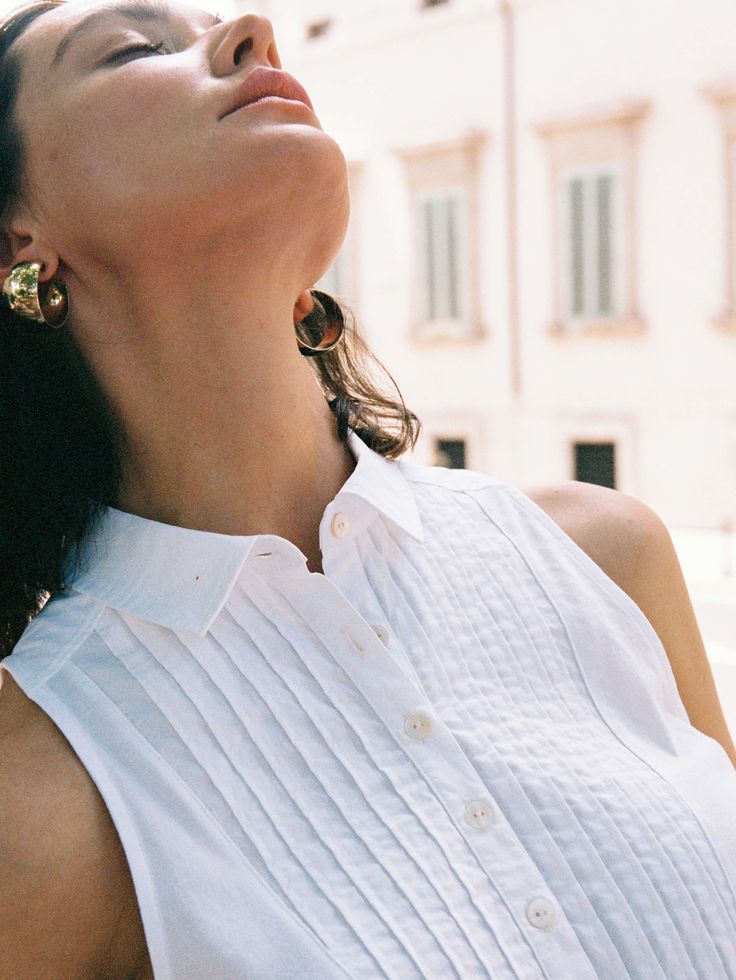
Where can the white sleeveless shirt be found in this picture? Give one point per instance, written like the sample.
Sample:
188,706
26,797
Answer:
458,752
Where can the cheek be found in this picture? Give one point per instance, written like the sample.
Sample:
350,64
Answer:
120,147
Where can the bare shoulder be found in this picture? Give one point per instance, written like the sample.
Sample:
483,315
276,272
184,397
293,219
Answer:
65,889
614,529
632,545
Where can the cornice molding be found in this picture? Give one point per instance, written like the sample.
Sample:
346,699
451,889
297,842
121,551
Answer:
726,322
722,93
469,143
722,96
612,115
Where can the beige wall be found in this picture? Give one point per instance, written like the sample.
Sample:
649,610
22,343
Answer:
608,78
649,85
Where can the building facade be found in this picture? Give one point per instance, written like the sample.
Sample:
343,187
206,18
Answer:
543,237
542,247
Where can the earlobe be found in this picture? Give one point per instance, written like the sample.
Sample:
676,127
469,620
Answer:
28,299
48,261
27,275
19,245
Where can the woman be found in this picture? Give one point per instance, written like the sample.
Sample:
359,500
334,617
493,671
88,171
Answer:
297,707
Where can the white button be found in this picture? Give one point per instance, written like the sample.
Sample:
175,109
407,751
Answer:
340,525
541,913
382,634
418,725
480,814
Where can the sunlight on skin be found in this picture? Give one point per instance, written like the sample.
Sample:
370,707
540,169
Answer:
225,8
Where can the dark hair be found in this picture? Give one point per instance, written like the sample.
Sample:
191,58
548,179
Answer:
59,457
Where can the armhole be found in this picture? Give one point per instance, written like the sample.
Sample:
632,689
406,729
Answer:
70,785
92,760
581,557
596,575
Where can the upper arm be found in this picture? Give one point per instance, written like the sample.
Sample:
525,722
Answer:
60,890
632,545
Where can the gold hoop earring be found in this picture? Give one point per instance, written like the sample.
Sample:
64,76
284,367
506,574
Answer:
43,303
325,324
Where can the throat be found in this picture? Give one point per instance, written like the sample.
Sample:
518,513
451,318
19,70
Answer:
314,563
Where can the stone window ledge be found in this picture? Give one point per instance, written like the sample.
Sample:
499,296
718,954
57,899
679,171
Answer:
432,333
726,321
631,326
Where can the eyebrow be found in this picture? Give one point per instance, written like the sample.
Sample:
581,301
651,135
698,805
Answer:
141,11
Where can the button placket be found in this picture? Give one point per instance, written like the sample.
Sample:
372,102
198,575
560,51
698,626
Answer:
442,763
356,645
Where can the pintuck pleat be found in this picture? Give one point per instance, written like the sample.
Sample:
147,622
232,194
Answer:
422,756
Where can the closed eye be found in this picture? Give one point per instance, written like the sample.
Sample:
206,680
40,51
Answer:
133,49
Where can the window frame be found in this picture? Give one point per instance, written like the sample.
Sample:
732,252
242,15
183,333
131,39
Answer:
457,194
598,139
437,169
723,97
591,283
437,453
577,443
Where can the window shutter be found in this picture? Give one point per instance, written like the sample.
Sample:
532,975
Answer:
441,250
453,270
430,238
605,250
577,247
591,205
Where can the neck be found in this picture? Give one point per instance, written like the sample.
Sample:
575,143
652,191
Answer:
216,472
225,428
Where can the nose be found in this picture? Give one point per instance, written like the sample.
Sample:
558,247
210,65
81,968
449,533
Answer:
246,38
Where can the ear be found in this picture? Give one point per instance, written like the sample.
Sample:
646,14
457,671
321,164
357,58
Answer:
20,242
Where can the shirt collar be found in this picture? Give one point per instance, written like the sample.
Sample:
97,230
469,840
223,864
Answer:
181,578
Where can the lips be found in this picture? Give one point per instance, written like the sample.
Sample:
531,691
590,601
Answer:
262,82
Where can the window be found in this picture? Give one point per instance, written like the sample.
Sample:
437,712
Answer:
724,99
318,28
449,453
731,228
593,167
441,263
591,267
595,462
444,208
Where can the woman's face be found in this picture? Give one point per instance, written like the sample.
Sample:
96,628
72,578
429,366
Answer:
131,147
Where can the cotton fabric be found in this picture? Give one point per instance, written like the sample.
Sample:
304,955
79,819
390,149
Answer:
457,752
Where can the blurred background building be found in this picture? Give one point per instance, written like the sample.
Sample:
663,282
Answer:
542,247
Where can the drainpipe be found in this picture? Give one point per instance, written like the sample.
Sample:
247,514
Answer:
508,49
